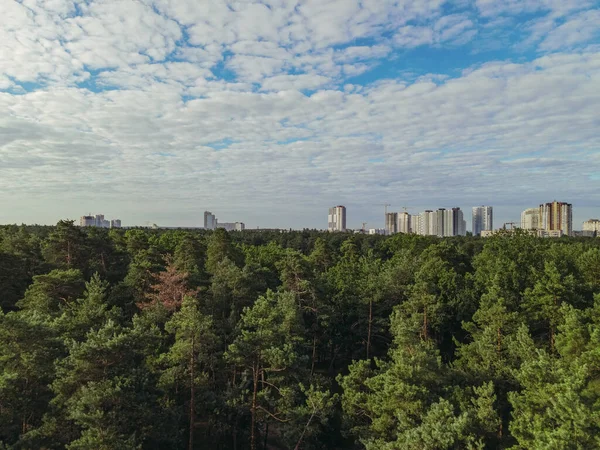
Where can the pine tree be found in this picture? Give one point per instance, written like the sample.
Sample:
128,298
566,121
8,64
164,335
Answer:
188,362
267,347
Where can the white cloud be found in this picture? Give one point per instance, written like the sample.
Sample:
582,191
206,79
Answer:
578,29
296,82
221,116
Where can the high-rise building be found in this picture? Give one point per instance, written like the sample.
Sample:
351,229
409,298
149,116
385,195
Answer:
87,221
210,221
231,226
591,226
557,216
336,220
453,222
116,223
530,219
439,219
415,223
404,223
99,220
95,221
391,223
483,217
427,223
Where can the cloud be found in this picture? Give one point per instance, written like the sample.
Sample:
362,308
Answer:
579,29
266,104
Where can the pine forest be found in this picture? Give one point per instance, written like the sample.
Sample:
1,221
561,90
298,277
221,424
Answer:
263,340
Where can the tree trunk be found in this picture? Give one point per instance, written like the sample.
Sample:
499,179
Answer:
266,439
425,322
192,395
314,354
253,409
297,447
499,343
235,433
370,326
68,254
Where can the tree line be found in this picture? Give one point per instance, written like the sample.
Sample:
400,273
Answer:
174,339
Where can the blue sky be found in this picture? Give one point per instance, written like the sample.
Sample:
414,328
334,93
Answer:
269,112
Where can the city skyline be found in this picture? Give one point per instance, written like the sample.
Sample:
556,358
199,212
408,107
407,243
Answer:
271,111
354,222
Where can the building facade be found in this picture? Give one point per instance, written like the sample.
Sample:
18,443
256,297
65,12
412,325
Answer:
591,227
336,220
427,223
87,221
415,223
557,216
95,221
404,223
530,219
391,223
482,220
232,226
210,221
439,216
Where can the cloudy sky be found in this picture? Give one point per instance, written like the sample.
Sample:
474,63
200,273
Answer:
270,111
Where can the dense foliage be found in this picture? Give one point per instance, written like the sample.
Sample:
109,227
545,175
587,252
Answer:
167,339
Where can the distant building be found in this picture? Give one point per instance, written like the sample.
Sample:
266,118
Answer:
87,221
551,233
530,219
95,221
376,230
101,222
427,223
415,223
482,219
439,221
232,226
210,221
116,223
453,222
556,216
391,223
403,222
336,220
591,227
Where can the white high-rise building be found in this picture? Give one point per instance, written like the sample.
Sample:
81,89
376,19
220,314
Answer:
483,217
100,222
427,223
591,226
439,219
415,223
530,219
115,223
391,223
210,221
404,223
453,223
336,220
87,221
557,216
95,221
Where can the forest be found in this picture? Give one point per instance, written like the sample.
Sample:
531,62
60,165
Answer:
194,339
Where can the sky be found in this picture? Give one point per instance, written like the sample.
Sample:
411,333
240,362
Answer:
269,112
